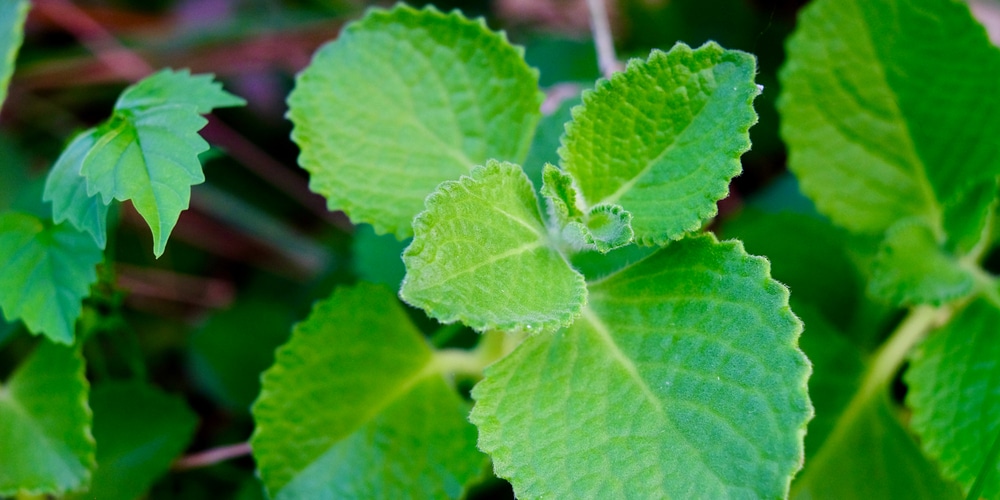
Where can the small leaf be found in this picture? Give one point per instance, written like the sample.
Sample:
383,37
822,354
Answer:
682,378
911,268
47,271
560,196
45,441
66,189
139,431
355,407
954,382
406,99
177,88
608,227
12,16
481,254
664,138
870,93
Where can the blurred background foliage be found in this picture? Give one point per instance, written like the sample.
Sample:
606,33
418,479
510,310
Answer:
257,248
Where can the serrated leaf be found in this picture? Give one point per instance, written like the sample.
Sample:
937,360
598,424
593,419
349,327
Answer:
911,268
45,441
147,152
608,227
954,391
482,255
403,100
66,189
681,379
560,196
871,93
139,430
12,16
47,270
871,455
664,138
355,407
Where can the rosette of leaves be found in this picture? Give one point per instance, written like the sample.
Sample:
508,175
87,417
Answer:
888,110
674,376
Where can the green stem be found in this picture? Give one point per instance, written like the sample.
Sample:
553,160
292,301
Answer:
890,357
989,465
493,346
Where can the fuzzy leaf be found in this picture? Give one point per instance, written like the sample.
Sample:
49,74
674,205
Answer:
608,227
47,270
664,138
481,254
682,378
885,106
406,99
147,152
139,430
911,268
560,196
954,381
12,15
45,441
355,407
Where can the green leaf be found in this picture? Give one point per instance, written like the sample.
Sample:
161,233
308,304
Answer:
481,254
66,189
403,100
602,227
607,227
870,455
147,152
560,195
911,268
954,381
47,271
45,441
681,379
139,431
12,16
664,138
545,145
356,407
885,106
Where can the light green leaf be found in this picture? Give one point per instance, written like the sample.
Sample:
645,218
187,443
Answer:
403,100
45,441
356,407
66,189
954,381
147,152
682,379
47,270
139,431
664,138
608,227
885,106
911,268
602,227
12,15
560,195
481,254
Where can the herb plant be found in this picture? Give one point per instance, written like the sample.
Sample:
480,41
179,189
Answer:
615,347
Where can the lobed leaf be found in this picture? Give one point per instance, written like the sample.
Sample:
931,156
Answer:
884,108
664,138
355,407
12,16
139,431
47,271
482,255
954,391
406,99
681,379
45,442
911,268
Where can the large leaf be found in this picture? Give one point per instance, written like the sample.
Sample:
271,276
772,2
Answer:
885,106
403,100
481,254
356,407
45,441
681,379
139,431
147,152
664,138
46,270
954,381
12,15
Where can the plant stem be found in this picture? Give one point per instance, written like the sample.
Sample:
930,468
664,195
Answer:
212,456
890,357
493,346
603,42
